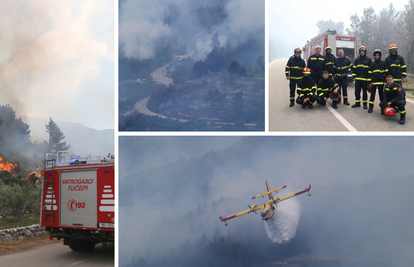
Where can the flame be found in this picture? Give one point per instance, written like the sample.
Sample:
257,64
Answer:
6,166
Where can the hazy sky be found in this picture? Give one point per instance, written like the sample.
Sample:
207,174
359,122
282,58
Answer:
291,24
57,60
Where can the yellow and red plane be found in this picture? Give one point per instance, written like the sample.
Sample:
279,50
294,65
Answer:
268,209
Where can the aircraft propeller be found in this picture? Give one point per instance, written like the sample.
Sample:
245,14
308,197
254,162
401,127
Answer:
251,209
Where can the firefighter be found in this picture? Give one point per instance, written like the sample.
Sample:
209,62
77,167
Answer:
394,96
360,77
316,64
306,90
329,61
327,88
293,72
376,73
395,65
341,66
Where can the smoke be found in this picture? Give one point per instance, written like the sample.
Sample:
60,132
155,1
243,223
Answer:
284,223
57,56
145,25
175,188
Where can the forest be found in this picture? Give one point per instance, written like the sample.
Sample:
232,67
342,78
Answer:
216,86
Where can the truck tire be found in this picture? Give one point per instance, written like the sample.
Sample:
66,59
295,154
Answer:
74,248
87,245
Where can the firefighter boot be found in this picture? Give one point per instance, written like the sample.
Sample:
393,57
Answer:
402,118
310,106
346,101
292,102
356,105
365,106
371,106
303,106
334,105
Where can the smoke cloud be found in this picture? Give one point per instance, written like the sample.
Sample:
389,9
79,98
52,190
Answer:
57,60
144,25
172,191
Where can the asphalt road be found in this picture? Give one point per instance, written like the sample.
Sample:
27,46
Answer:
325,119
59,255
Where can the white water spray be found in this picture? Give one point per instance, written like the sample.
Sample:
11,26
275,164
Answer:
282,226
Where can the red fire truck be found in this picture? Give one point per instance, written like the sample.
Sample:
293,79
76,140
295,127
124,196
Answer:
78,199
350,45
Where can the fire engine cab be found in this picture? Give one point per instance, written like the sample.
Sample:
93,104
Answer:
78,199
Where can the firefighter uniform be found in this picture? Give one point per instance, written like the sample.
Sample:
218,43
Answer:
294,68
316,65
360,73
395,94
329,63
341,66
306,89
377,73
396,67
325,88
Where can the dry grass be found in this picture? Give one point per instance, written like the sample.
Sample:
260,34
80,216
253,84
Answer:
25,244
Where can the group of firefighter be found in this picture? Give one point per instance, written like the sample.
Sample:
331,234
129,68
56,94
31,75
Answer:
326,77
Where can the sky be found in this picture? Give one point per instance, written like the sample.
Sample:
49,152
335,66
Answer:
57,60
297,20
180,176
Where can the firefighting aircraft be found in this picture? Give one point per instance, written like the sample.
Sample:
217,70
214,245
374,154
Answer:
268,209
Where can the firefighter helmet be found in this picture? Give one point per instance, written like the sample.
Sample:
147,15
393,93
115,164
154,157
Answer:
389,111
363,48
377,51
328,47
298,50
392,46
306,71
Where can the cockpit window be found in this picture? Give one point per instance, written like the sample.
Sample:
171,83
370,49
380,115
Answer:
264,213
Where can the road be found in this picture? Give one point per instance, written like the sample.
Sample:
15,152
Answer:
159,75
59,255
344,119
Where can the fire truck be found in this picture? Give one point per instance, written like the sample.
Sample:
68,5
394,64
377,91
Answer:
78,199
350,45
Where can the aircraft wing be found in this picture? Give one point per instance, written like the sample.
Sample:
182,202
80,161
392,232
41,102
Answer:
253,208
293,194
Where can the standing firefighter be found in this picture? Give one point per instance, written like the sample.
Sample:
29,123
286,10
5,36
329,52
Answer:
395,65
316,64
327,88
377,74
360,75
341,66
329,61
293,72
306,90
394,96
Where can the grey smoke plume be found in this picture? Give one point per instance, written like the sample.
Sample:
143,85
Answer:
146,24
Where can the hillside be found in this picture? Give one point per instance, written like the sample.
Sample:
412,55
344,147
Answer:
83,140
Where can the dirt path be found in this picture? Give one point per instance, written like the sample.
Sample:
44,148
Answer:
159,75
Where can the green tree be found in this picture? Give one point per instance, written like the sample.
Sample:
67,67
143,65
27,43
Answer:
324,25
406,31
215,42
56,137
19,199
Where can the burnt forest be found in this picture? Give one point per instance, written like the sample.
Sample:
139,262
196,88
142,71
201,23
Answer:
202,76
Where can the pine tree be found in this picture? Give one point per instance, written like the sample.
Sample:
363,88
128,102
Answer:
55,138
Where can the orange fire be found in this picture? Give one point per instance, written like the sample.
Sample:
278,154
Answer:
6,166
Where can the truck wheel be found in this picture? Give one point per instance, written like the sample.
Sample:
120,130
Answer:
87,245
74,248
